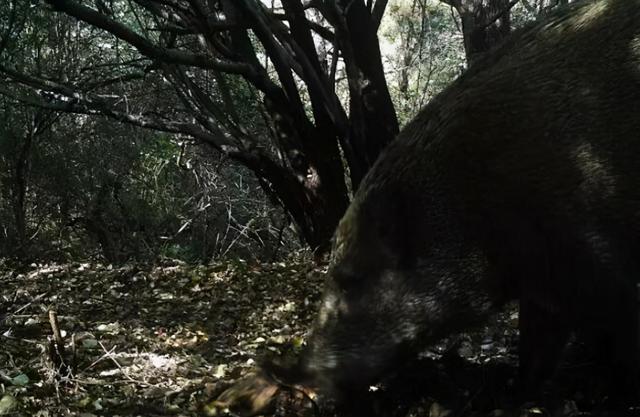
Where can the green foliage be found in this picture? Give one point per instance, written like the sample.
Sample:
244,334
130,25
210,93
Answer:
424,52
95,188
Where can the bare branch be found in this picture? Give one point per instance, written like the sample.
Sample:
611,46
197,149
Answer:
200,104
146,47
59,97
378,12
141,120
501,13
282,61
117,80
456,4
322,31
325,104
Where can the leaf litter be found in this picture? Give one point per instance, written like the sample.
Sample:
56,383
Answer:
166,340
148,341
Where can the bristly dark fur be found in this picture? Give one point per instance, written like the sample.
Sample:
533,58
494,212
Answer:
520,181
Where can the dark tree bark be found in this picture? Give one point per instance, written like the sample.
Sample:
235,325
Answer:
301,167
20,188
374,122
484,24
37,123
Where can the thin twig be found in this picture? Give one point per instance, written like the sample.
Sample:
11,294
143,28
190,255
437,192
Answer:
14,314
110,356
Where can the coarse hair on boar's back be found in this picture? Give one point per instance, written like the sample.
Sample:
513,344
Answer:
520,181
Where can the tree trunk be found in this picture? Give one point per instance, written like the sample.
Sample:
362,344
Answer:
312,185
314,203
484,24
374,122
20,181
276,54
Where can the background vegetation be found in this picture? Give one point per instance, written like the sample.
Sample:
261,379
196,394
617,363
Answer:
136,130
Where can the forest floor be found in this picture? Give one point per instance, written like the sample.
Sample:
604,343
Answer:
166,340
148,341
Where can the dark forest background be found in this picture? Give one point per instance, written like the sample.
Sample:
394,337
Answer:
136,130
